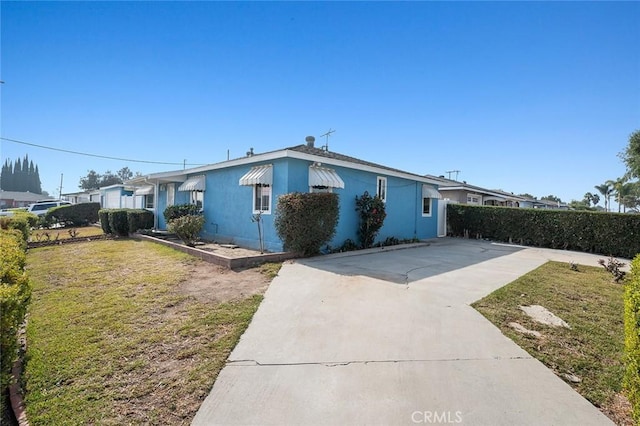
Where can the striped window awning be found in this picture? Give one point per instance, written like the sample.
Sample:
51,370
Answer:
430,192
196,183
144,190
259,175
322,176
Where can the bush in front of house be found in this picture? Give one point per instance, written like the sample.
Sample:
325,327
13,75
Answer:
82,214
187,228
118,222
632,338
103,216
139,219
306,221
179,210
371,213
611,234
15,293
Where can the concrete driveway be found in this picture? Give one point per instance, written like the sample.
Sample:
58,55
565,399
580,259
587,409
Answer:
388,337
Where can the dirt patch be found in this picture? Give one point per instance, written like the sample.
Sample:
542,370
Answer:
215,284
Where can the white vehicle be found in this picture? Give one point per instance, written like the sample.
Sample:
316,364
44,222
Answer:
42,207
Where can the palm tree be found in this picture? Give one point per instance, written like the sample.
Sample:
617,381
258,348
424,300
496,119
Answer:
618,189
606,190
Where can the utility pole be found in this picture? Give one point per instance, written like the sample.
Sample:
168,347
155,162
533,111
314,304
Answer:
60,189
326,145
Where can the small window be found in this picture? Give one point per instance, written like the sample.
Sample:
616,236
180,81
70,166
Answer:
197,198
171,194
382,189
320,189
262,199
426,207
148,201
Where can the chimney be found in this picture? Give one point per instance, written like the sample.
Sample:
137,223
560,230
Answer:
310,140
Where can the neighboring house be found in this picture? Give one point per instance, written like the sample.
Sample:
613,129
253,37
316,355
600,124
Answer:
463,193
13,199
233,192
544,204
82,197
119,196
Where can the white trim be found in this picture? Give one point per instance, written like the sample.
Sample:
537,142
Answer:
144,190
430,207
284,153
253,200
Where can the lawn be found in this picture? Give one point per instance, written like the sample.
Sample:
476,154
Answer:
592,349
116,336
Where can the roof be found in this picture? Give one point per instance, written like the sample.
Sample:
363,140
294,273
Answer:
454,185
21,196
303,152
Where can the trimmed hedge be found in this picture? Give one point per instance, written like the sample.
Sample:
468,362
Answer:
103,216
15,293
179,210
20,222
118,222
611,234
74,214
139,219
632,338
306,221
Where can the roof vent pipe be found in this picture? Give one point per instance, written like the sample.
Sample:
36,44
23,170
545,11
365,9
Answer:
310,141
250,152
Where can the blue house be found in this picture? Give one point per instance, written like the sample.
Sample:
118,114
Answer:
230,193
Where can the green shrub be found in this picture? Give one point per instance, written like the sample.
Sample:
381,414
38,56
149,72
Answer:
187,228
74,214
15,292
19,222
372,214
118,222
31,218
179,210
632,338
305,221
103,216
139,219
611,234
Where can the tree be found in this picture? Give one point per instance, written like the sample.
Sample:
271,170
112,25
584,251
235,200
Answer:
124,174
590,198
527,195
552,198
21,175
371,211
618,189
631,155
606,190
90,181
109,178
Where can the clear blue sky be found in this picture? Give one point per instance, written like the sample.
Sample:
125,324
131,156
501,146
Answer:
527,97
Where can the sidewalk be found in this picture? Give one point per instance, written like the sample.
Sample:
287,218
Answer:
389,338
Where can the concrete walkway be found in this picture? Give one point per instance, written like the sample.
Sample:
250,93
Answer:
389,338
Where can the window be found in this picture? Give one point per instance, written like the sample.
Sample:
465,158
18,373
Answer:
148,201
197,198
262,199
319,189
426,207
473,199
171,194
382,189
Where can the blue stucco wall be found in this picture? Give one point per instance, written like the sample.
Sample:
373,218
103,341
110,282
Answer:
228,206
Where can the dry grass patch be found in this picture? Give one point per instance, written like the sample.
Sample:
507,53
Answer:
56,234
117,336
592,350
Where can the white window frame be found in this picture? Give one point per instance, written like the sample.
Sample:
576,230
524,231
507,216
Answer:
269,193
148,205
381,188
197,198
430,200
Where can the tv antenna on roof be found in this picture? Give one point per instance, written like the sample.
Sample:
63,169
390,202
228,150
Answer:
326,145
452,171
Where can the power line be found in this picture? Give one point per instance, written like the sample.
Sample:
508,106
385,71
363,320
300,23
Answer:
98,156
